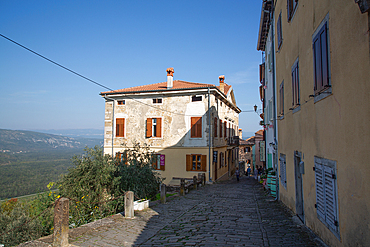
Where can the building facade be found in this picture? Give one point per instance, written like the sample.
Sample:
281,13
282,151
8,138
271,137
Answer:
191,127
323,88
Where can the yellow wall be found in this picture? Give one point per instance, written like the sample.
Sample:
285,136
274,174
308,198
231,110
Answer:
335,128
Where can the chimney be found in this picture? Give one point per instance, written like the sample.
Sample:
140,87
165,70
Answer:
240,133
222,83
170,72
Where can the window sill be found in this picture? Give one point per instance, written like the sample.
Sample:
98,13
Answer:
295,109
323,94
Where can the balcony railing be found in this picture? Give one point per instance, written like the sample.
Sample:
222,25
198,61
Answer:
233,141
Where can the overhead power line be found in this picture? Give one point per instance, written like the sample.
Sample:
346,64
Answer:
84,77
38,54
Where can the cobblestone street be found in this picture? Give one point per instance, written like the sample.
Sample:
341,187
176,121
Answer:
223,214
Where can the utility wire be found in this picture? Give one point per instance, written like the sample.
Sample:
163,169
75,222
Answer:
55,62
86,78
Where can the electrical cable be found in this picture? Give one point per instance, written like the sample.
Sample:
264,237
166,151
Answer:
86,78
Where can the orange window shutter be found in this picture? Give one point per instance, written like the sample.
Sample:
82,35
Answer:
204,163
188,162
120,123
220,128
193,127
148,127
159,127
199,127
225,129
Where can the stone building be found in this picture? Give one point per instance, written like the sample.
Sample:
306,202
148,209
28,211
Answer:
192,127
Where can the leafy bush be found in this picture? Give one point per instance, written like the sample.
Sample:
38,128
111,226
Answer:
16,225
88,185
135,172
96,183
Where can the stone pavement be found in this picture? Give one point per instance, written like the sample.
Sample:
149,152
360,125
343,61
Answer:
223,214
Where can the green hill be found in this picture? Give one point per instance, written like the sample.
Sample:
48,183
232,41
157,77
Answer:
30,160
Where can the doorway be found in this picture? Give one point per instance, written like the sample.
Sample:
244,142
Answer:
298,185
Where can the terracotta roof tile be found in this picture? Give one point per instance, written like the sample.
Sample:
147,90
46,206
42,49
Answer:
177,84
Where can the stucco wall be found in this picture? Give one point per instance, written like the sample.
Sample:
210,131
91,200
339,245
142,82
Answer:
335,127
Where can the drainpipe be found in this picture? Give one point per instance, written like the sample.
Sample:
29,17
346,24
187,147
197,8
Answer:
274,100
112,122
209,136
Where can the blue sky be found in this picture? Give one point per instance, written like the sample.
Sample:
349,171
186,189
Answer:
120,44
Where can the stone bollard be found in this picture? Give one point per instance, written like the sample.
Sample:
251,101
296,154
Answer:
129,204
163,193
182,187
195,182
61,223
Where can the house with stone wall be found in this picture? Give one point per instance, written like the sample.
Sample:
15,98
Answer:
191,127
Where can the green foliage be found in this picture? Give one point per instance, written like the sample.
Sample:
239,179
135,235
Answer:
29,173
42,207
88,184
16,224
136,173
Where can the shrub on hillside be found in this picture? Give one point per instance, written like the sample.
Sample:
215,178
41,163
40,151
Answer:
16,225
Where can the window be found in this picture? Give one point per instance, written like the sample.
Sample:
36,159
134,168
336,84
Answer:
281,99
158,162
326,193
292,5
157,101
196,162
222,159
295,85
196,98
120,127
121,102
279,32
321,59
215,127
153,127
121,157
283,169
247,149
196,127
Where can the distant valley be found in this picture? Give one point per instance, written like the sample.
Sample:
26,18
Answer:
30,160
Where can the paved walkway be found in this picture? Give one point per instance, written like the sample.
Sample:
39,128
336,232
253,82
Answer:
225,214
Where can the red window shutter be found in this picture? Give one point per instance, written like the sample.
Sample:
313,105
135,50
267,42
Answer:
159,127
120,127
188,162
204,163
262,74
148,127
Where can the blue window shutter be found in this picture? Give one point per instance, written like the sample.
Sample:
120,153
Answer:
320,192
